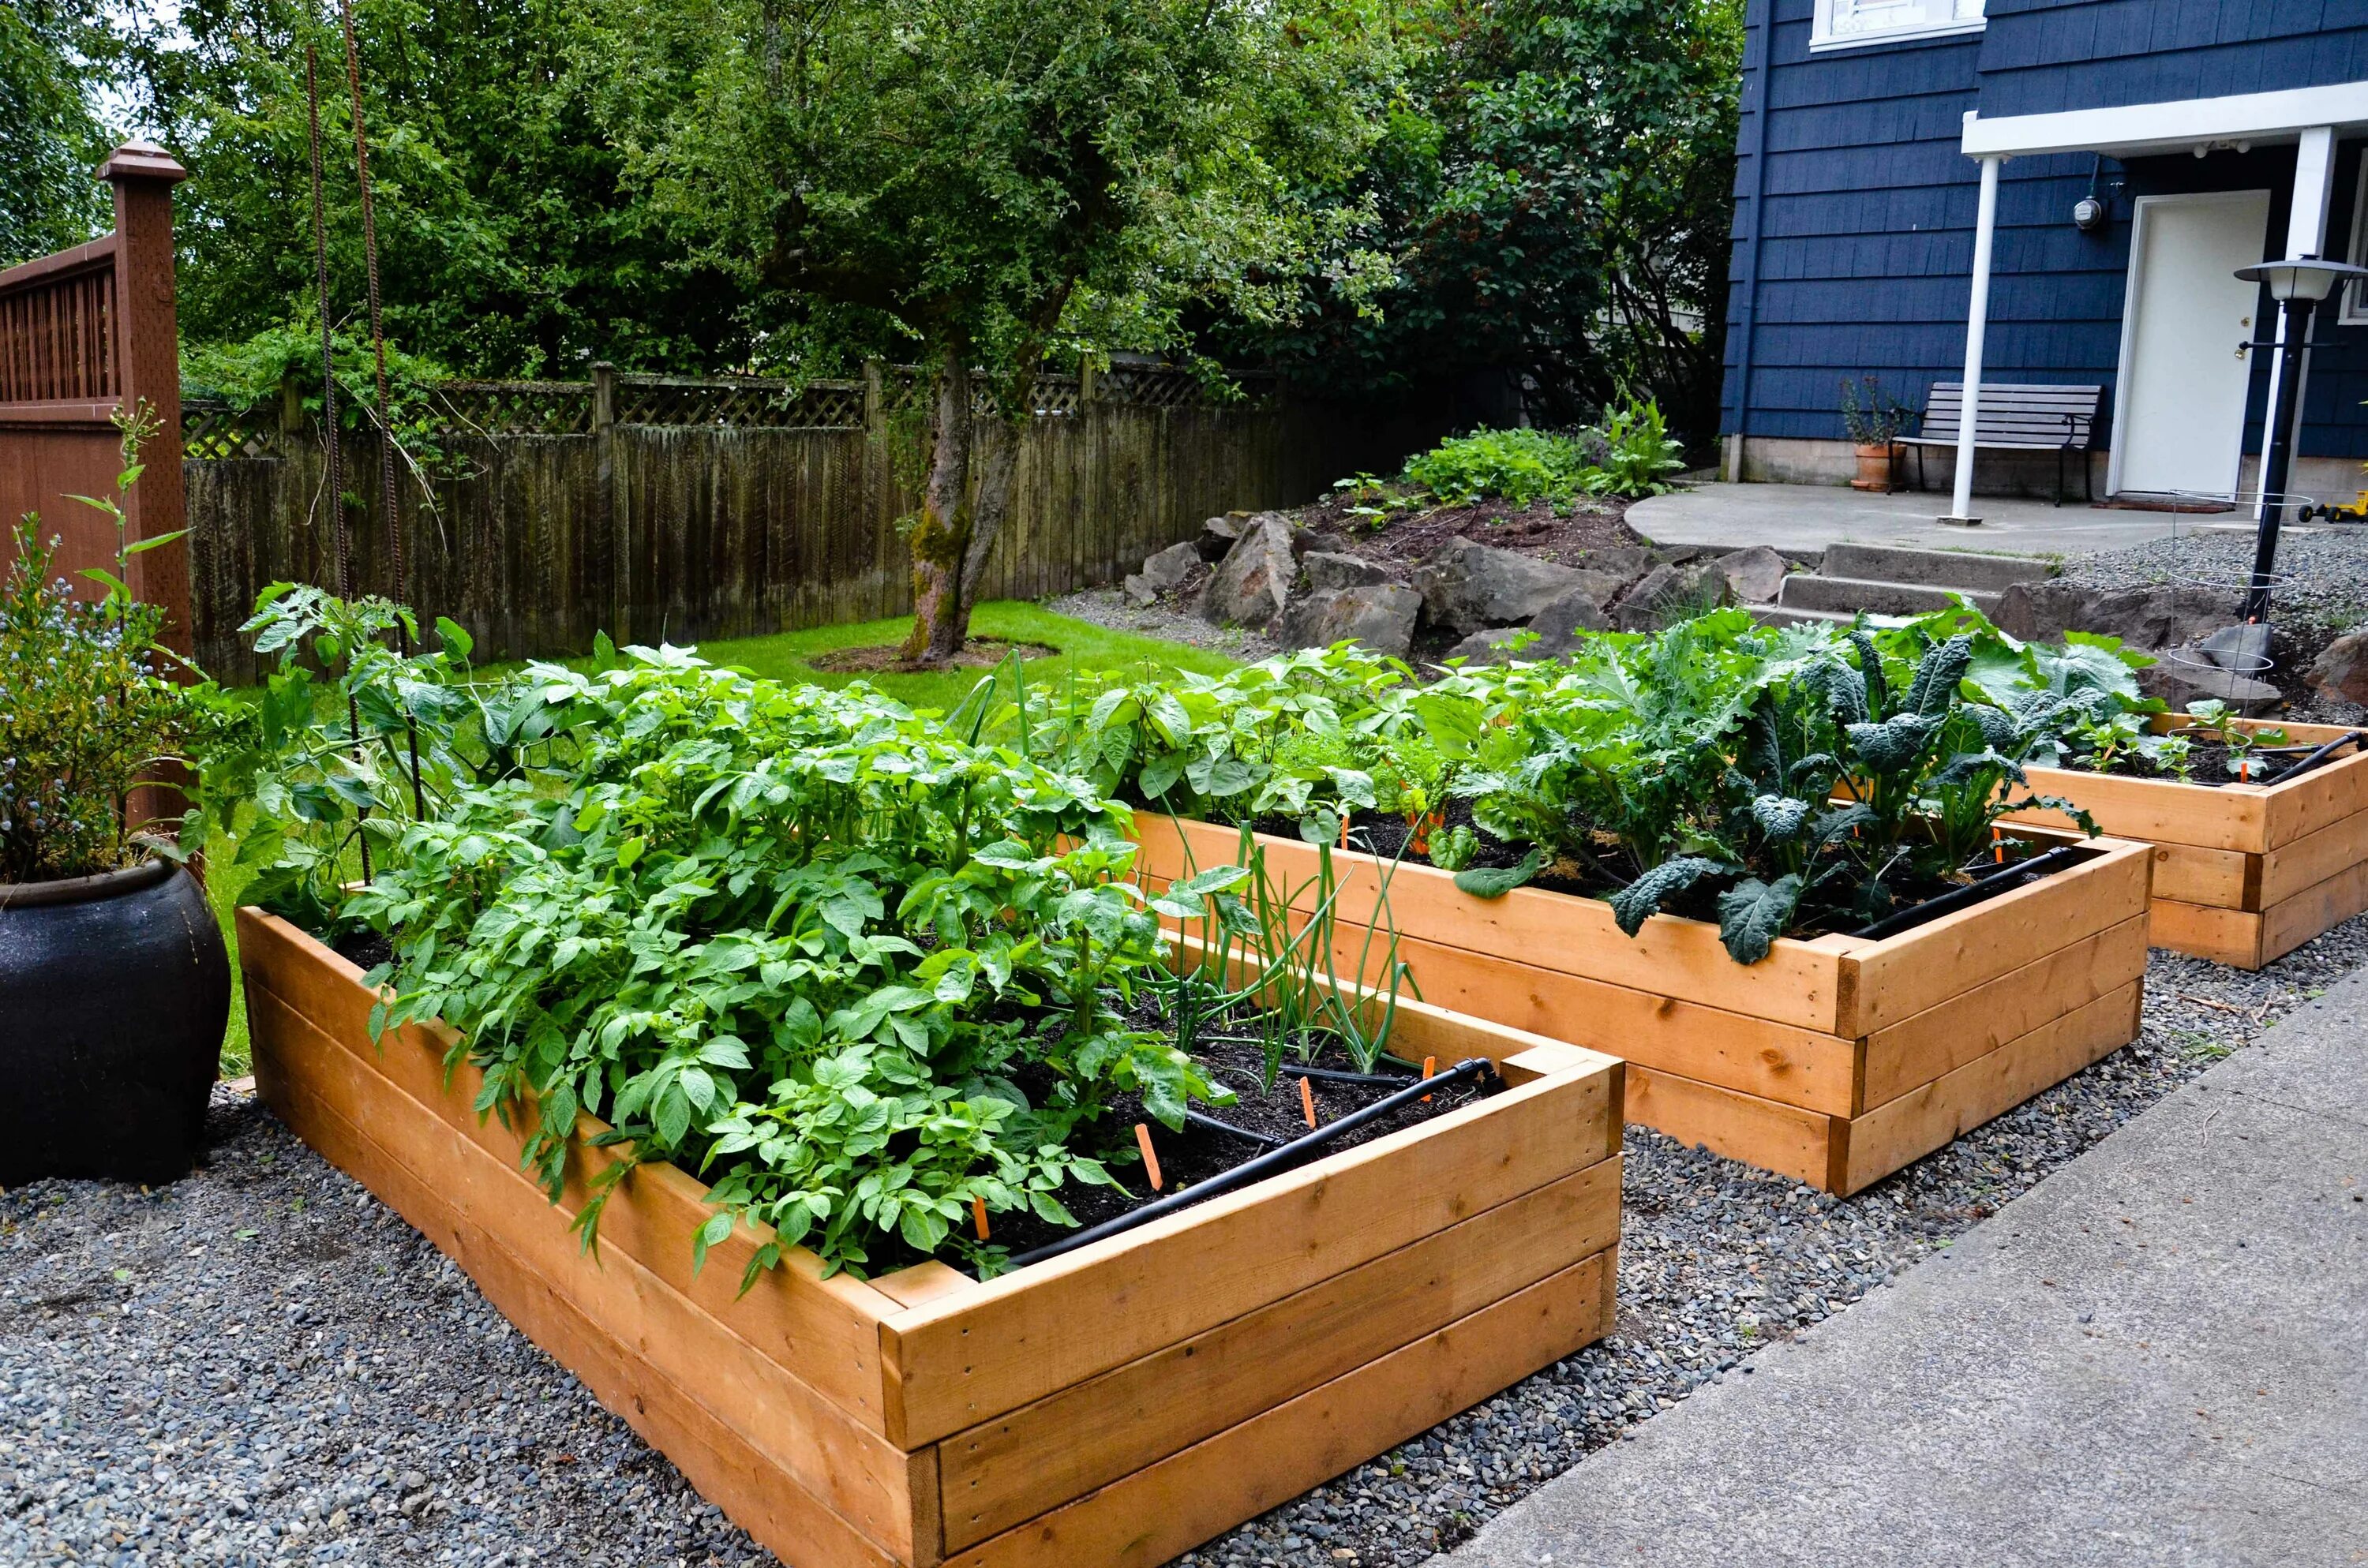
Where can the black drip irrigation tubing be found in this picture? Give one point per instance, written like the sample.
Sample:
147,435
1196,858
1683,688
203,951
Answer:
1213,1125
1478,1070
2048,864
2323,754
1340,1075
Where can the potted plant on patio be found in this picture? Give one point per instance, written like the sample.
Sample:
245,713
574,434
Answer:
1875,421
114,985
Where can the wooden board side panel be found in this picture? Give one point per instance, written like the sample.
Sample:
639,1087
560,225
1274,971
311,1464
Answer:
649,1326
2225,936
2288,925
1923,968
1758,1056
957,1363
2318,800
824,1331
758,1494
1171,1507
2223,878
1085,1436
1780,1138
2156,810
1797,983
1941,1040
1915,1123
2301,865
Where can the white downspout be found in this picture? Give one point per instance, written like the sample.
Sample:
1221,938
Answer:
1977,322
2314,190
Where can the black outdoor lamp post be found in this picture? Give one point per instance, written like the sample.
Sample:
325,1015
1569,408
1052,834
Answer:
2298,284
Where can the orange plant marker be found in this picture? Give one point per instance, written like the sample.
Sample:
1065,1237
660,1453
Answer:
1150,1160
978,1215
1307,1101
1429,1070
1997,846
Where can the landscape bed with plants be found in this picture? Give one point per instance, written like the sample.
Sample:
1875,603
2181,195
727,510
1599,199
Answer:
882,982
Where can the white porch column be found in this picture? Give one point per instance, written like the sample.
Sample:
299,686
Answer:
1977,322
2314,190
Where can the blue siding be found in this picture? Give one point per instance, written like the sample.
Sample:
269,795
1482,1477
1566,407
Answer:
2040,56
1863,237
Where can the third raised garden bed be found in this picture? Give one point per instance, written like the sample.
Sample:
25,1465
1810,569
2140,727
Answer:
1115,1404
1836,1060
2244,872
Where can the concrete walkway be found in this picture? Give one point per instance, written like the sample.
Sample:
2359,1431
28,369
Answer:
2158,1355
1811,517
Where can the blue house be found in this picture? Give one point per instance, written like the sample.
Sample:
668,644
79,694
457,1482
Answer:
1888,144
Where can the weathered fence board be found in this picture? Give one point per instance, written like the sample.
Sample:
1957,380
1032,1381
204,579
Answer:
685,515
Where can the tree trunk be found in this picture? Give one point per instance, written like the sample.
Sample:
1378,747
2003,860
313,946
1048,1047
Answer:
942,539
998,460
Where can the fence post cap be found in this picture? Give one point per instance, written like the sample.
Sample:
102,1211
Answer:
141,160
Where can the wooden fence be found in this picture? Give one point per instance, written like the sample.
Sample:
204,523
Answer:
656,507
82,333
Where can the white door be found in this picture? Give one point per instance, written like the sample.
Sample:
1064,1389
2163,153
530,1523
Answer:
2178,422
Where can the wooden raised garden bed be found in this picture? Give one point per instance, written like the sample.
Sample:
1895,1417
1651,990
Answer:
2243,873
1116,1404
1836,1061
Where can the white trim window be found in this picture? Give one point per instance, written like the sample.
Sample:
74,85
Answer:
2354,312
1849,23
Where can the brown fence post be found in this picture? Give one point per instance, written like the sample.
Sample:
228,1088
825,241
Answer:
148,351
612,606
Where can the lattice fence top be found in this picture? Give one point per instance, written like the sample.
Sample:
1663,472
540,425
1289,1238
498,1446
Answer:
518,409
212,429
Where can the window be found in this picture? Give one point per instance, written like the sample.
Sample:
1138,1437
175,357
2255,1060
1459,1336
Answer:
2354,309
1845,24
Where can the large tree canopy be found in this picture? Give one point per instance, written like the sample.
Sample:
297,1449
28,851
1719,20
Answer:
54,56
1554,195
980,179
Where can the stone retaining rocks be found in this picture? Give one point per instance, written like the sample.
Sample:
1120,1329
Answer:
1381,616
1470,587
1252,584
2341,669
1327,570
1755,575
1671,593
1164,573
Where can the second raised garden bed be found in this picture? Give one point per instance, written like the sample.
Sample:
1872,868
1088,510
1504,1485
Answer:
1116,1404
1835,1061
2244,873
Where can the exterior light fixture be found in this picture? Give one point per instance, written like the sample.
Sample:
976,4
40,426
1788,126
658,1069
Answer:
2299,284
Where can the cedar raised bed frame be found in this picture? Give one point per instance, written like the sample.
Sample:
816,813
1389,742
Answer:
1835,1061
2243,873
1115,1405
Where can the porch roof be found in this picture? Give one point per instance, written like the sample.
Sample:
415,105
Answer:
2178,125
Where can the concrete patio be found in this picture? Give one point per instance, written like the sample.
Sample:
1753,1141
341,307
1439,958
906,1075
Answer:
1812,516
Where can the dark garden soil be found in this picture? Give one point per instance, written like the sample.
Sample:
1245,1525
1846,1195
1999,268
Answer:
1233,1058
1385,837
888,658
1562,532
367,948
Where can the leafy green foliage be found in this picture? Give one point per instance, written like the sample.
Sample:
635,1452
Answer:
1519,466
53,53
1638,453
88,709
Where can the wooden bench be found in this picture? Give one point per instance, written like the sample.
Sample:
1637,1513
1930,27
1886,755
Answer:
2014,418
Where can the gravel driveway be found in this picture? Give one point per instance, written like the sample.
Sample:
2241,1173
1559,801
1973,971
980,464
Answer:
264,1365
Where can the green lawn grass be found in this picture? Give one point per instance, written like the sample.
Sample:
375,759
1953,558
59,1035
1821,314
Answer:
1078,645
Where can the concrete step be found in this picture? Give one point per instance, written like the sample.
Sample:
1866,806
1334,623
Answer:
1938,568
1804,591
1782,615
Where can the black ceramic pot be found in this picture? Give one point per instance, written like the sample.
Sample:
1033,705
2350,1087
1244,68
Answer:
114,991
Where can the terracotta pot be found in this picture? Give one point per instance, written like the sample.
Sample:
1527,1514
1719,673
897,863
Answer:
1875,465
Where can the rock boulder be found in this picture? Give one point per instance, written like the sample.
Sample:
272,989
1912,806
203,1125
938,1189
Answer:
1327,570
2341,669
1252,584
1470,587
1379,616
1164,573
1756,575
2148,618
1671,593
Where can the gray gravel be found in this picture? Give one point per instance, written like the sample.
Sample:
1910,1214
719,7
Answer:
263,1365
1112,608
2325,584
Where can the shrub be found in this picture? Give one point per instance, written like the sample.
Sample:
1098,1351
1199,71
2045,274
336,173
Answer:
1638,454
1519,466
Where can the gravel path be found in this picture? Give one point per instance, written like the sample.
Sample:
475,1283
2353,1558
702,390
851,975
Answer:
2326,568
1112,608
264,1365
